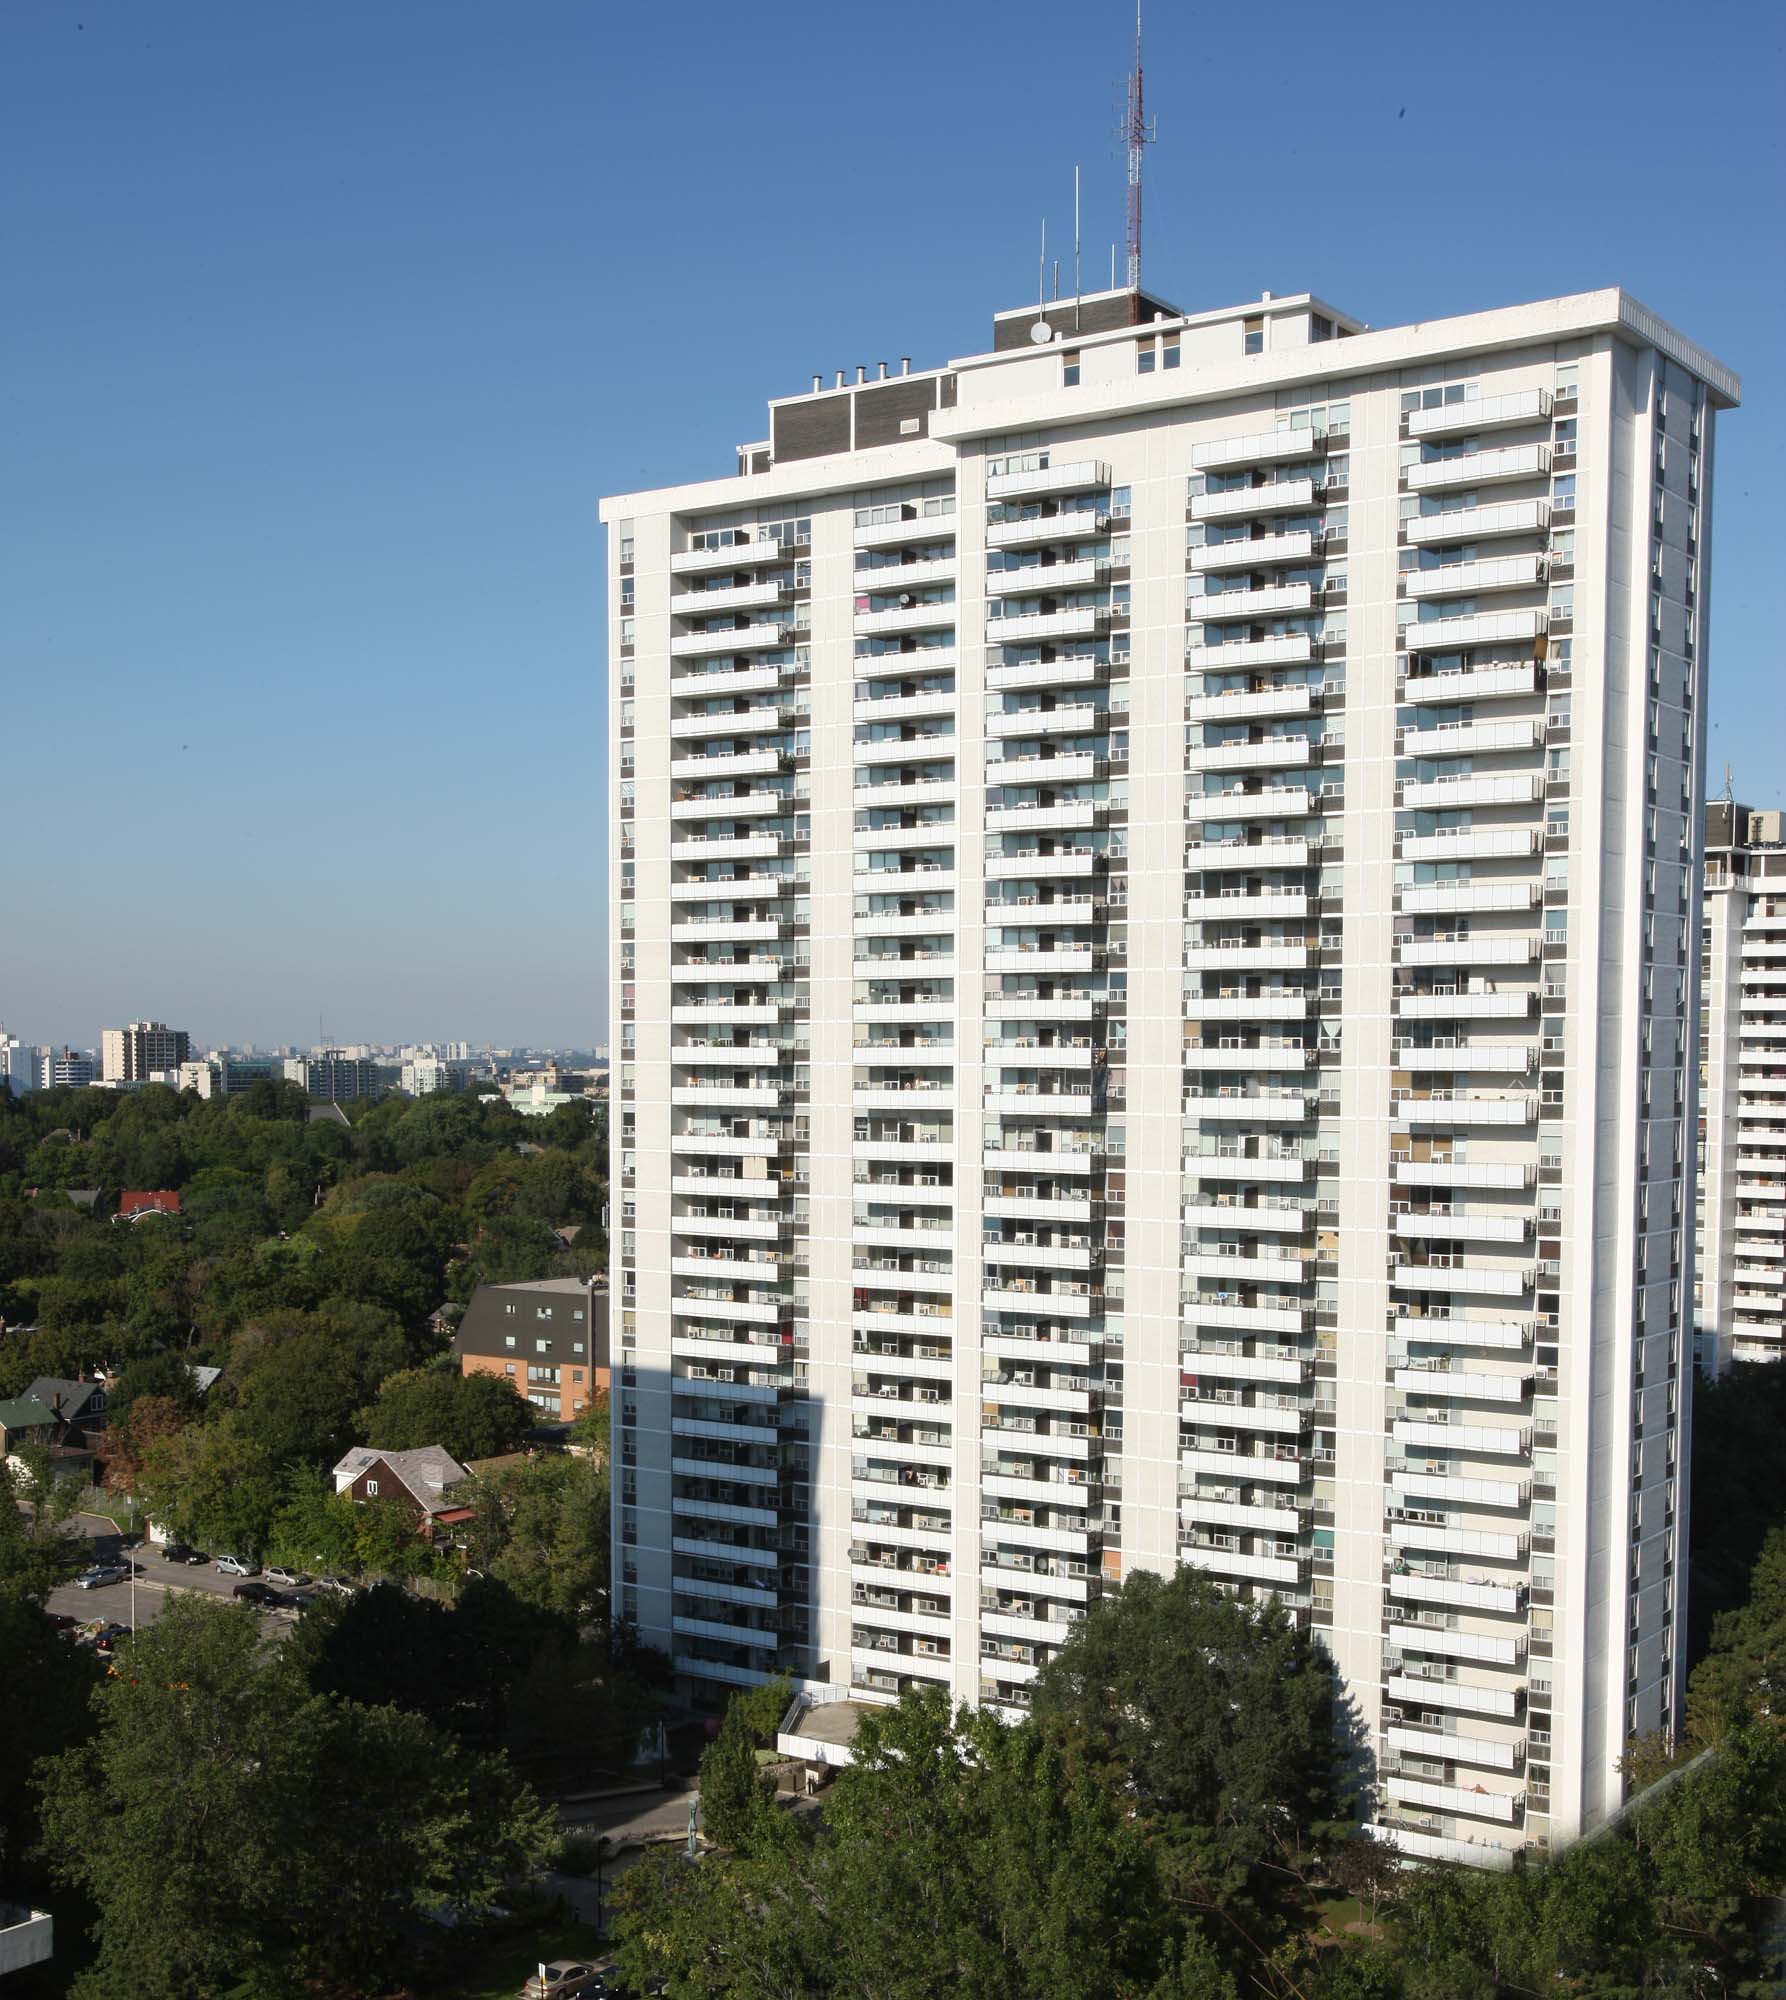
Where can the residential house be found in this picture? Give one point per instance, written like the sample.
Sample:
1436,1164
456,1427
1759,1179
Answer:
133,1204
421,1479
77,1406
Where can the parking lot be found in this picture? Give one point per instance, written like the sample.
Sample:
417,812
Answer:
155,1581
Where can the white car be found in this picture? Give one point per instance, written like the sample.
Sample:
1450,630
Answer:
101,1574
292,1579
237,1566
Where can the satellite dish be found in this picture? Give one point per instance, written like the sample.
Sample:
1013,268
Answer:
1041,333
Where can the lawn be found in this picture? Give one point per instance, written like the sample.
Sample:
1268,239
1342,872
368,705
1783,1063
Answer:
496,1969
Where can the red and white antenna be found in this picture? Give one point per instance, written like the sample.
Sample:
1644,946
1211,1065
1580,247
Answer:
1137,134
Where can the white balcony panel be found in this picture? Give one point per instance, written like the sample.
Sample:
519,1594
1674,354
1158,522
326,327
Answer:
1459,1490
1077,718
1460,1592
1063,863
740,639
906,707
1465,1174
1465,579
1286,1570
1245,957
1244,1468
1084,475
1475,524
1474,1800
722,682
1058,767
1479,1750
1248,707
1211,1413
1234,1514
1283,753
1288,649
1485,1226
1248,1108
889,577
741,847
1274,802
1281,496
900,534
1518,406
1260,552
733,597
1203,856
1244,1367
1458,684
1257,448
1466,1005
1464,1697
1270,1168
1471,843
1481,468
1429,1112
1489,1648
904,618
1477,1058
1264,601
1036,579
1062,958
735,555
1479,628
738,805
1043,674
1078,621
1468,739
1073,524
1485,948
1488,1440
1256,1007
1459,1330
1458,1541
726,722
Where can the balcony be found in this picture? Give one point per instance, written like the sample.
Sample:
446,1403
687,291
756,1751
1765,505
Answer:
1229,1413
1451,1749
737,597
1481,628
938,702
1477,524
1270,1168
1267,753
734,555
1501,788
1481,468
1463,1224
1467,684
1282,1520
1077,718
727,764
1466,579
1260,552
1468,843
1073,671
1085,475
1249,705
1463,739
904,576
731,847
1017,1297
1259,448
1454,898
1289,1572
1452,1004
1507,1599
1260,1107
899,534
1282,496
1429,1691
1268,903
1237,957
727,722
1201,856
1263,602
1474,1800
1461,1108
727,1097
1521,406
1280,1467
1199,1362
1459,1173
1272,802
905,618
725,682
1491,1650
1038,579
1078,621
1074,524
737,639
1040,958
1424,1434
1507,1336
1290,649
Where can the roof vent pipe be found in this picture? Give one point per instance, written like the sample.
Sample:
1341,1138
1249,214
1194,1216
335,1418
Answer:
818,382
840,375
861,372
882,366
905,364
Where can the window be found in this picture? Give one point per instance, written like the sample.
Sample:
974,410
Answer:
542,1347
508,1340
371,1489
1170,353
508,1367
1145,358
1069,370
1253,335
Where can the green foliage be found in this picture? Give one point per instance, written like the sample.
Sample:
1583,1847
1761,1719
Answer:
737,1801
542,1528
471,1416
242,1831
167,1377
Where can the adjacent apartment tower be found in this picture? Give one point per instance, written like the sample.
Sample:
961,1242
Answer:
142,1050
1740,1263
1155,873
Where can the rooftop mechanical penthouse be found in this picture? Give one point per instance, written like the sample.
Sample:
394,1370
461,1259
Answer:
1157,986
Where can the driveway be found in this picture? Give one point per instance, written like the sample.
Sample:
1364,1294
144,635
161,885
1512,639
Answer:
154,1583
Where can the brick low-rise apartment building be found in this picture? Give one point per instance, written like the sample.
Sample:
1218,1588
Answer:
549,1337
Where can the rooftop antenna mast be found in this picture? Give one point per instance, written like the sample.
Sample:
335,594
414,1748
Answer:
1136,134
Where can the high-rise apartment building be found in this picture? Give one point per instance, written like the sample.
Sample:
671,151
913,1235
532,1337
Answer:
1155,875
144,1049
1740,1263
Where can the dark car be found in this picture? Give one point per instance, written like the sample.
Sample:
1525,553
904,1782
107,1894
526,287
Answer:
261,1594
183,1552
61,1621
301,1600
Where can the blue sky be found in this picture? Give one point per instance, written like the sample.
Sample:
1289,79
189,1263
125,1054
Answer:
325,327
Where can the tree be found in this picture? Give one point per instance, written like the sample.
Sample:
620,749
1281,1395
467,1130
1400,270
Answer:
542,1527
471,1416
240,1831
736,1798
131,1440
1218,1712
299,1386
214,1484
166,1377
1368,1869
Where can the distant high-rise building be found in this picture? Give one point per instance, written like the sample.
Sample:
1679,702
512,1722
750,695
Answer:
332,1076
1155,874
65,1068
1740,1262
17,1066
142,1050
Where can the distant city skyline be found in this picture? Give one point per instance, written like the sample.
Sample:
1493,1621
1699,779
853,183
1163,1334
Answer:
303,585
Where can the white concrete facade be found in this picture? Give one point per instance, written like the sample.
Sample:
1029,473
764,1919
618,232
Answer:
1740,1264
1153,969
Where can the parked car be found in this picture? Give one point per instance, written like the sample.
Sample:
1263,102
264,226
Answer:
60,1621
183,1552
564,1978
101,1574
104,1637
237,1566
338,1584
292,1579
257,1593
301,1600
